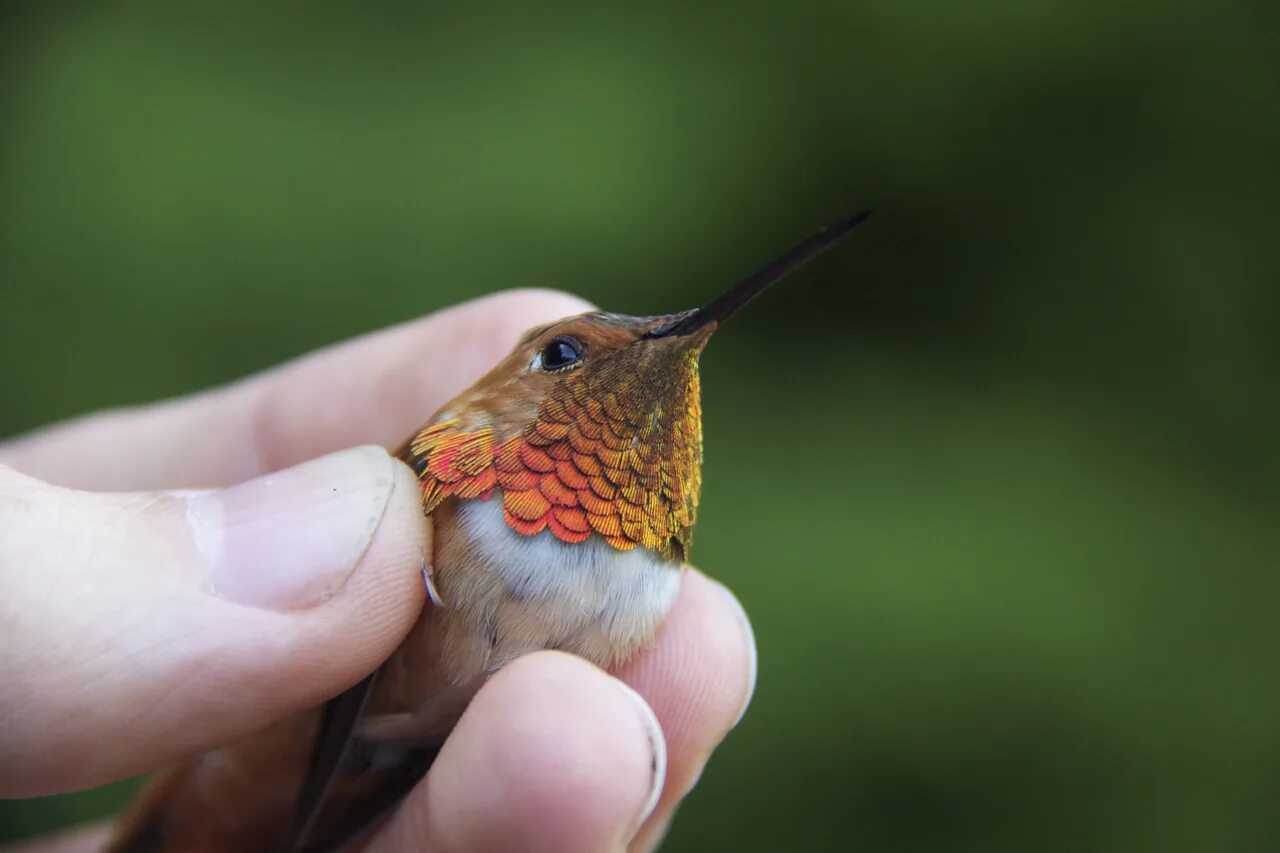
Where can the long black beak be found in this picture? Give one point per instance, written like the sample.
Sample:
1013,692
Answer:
731,301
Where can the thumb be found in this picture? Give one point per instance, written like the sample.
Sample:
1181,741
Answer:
139,628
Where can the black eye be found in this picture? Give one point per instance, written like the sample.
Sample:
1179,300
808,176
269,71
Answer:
562,352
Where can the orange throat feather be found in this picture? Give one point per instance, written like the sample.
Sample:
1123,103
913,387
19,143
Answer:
614,450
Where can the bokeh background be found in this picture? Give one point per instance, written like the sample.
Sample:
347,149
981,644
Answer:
997,482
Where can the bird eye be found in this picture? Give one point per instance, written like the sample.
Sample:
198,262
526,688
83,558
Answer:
560,353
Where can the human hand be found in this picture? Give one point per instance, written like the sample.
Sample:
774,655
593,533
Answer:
141,626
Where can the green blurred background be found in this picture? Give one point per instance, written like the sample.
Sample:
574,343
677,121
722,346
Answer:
997,482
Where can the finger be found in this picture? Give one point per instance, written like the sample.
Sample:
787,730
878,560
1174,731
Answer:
698,677
552,754
372,390
139,628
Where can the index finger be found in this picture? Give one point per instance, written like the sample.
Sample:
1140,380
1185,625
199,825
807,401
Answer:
374,389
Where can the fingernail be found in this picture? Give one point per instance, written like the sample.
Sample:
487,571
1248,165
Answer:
749,637
289,540
657,749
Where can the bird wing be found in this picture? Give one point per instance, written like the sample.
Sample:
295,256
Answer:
352,783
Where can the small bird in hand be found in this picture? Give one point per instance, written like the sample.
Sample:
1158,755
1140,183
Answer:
562,492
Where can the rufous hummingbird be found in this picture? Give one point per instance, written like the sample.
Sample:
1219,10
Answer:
562,489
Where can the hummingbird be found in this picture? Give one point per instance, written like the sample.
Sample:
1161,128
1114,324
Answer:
562,490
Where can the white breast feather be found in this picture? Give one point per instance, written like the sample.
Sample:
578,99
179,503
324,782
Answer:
623,594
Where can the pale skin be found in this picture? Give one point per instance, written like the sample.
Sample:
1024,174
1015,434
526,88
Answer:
105,621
